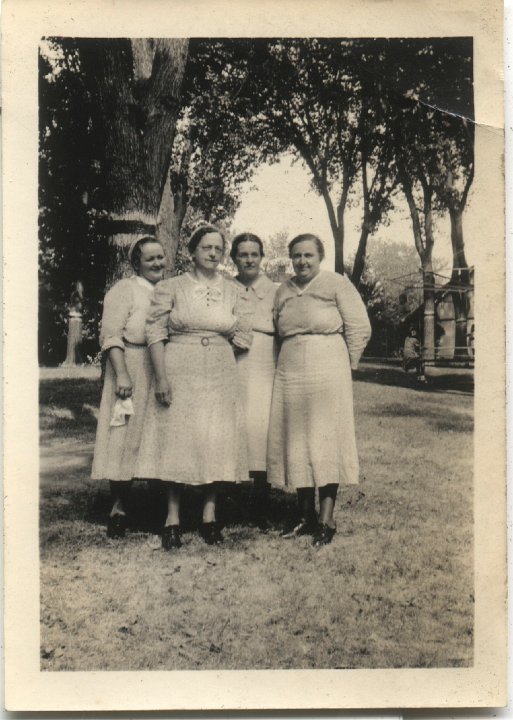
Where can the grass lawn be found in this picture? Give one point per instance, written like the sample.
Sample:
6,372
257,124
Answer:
394,589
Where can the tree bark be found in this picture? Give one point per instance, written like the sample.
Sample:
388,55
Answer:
425,251
429,309
361,253
459,282
340,236
137,87
168,234
337,231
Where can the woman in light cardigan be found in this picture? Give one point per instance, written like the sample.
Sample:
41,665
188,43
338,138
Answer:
323,329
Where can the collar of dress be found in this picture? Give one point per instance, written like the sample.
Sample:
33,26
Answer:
300,289
144,283
217,280
260,287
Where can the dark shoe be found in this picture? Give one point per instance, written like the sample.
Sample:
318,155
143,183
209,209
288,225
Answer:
324,535
171,537
116,526
304,528
211,533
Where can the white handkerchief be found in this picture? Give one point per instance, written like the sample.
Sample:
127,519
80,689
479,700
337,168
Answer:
122,408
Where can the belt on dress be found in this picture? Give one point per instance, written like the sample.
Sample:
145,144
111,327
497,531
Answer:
130,344
300,335
198,339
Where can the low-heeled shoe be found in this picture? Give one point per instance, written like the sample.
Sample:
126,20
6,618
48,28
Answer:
211,533
171,537
305,527
116,526
324,535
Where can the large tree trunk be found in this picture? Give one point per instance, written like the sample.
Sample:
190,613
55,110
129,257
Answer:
361,253
339,248
337,231
137,86
340,236
168,226
425,250
459,261
429,309
459,282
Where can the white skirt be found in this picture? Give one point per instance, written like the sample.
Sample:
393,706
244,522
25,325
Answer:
116,448
311,432
256,375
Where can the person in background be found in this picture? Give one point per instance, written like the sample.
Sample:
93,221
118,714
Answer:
323,327
412,356
127,377
194,425
257,366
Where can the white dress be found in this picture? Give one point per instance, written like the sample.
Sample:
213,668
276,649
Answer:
123,325
256,369
200,438
323,329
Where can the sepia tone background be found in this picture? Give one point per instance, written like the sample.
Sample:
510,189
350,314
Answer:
481,682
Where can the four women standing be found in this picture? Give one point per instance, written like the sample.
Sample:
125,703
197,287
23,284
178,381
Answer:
209,420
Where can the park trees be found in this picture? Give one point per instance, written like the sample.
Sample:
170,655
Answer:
433,149
456,173
72,249
107,115
169,130
303,99
212,155
136,86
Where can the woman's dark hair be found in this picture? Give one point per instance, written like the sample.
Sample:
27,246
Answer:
307,236
199,233
136,251
245,237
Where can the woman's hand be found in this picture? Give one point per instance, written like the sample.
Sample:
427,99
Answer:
163,392
123,385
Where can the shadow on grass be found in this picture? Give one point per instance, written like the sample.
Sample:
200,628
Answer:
91,505
439,380
70,393
147,511
450,421
68,407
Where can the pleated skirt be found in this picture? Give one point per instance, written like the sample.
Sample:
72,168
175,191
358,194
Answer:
311,440
256,375
201,437
116,448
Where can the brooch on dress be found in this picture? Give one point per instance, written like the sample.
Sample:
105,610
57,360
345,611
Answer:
204,291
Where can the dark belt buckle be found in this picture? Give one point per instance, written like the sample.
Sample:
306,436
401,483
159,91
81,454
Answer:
205,341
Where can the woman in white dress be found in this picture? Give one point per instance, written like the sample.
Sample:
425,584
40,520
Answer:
323,327
194,426
127,376
257,366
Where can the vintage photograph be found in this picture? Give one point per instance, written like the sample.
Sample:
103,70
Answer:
256,348
254,392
